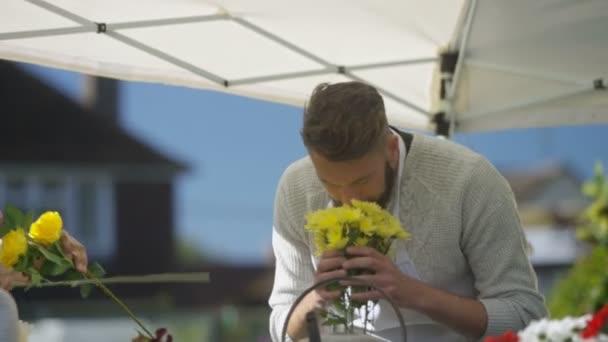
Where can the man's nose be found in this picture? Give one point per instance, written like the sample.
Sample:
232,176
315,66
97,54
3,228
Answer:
347,195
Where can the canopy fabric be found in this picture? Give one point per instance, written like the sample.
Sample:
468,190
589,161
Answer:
534,63
521,63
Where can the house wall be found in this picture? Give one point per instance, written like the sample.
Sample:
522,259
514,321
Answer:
144,228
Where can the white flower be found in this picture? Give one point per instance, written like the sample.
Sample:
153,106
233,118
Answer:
566,329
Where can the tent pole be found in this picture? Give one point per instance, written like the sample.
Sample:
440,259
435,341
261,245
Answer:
328,70
451,90
47,33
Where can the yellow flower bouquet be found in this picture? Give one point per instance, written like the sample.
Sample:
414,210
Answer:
360,224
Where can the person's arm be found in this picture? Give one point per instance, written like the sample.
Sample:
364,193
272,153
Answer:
465,315
495,245
294,271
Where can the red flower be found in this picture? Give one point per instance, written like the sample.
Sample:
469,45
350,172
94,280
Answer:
597,322
508,336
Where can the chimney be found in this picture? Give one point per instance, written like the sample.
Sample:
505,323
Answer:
101,96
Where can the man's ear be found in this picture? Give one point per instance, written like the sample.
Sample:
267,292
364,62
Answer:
392,146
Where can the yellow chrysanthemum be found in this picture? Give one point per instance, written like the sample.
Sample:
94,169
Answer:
368,208
337,244
47,229
14,245
366,226
334,233
338,227
361,241
320,243
349,215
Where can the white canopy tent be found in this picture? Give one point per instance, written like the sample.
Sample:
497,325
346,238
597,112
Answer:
505,64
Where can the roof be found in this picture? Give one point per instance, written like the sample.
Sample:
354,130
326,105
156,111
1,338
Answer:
526,183
547,193
41,125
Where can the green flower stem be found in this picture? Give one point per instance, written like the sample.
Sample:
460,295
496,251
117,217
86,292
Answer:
109,293
177,278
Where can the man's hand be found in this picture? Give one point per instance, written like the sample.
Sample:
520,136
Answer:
330,266
400,288
75,251
9,279
465,315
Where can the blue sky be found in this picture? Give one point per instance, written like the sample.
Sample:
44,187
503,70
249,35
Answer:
238,147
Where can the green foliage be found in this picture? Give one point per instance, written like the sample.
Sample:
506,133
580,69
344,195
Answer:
585,287
593,226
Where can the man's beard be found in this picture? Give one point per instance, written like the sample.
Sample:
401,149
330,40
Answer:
389,181
385,197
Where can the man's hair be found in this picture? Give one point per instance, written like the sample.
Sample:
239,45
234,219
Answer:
344,121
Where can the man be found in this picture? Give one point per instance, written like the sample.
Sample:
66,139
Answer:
462,275
70,246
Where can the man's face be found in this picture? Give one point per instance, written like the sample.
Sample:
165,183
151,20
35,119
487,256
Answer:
369,178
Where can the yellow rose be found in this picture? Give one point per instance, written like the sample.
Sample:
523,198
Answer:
47,229
14,245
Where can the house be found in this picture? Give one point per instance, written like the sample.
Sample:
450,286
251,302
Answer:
549,200
115,193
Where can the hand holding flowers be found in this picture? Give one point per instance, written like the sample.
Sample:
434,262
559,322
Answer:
353,241
46,253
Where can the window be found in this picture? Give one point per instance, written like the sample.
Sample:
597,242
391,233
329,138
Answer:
85,201
16,190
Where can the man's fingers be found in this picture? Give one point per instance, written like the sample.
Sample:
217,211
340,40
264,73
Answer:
330,264
9,280
330,275
80,259
365,296
76,251
362,262
361,280
331,254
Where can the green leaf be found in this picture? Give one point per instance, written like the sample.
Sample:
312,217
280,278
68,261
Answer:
52,257
53,269
85,290
28,220
334,321
13,217
35,277
22,264
4,229
97,270
56,248
73,275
